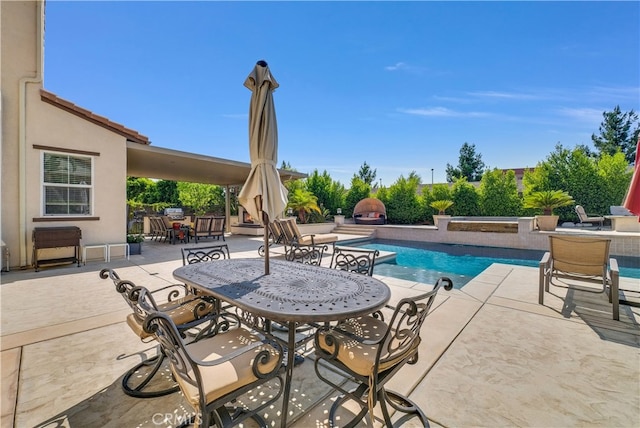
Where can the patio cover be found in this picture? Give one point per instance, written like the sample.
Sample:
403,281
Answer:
160,163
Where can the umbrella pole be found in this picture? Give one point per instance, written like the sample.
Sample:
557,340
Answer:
265,220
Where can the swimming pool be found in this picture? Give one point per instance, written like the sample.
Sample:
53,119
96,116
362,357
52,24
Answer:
426,261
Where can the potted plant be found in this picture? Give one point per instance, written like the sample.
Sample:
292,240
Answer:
547,201
440,205
135,243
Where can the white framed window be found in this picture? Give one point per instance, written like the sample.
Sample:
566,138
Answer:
67,184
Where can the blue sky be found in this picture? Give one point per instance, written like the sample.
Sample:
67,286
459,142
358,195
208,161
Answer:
399,85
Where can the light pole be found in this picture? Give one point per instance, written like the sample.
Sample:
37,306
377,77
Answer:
431,179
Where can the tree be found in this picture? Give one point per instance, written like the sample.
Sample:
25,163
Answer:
358,191
166,191
199,197
137,188
366,174
470,165
499,194
465,198
616,133
596,184
330,193
303,201
287,166
402,202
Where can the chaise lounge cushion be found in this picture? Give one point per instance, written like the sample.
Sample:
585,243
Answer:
320,238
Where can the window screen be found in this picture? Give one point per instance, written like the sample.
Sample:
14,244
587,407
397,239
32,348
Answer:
67,184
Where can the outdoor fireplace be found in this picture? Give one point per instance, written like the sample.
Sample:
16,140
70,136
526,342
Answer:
246,218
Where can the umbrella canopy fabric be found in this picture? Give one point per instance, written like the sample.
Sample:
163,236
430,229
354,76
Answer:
632,200
263,191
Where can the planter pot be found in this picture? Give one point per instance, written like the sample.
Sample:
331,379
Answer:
547,223
436,217
135,248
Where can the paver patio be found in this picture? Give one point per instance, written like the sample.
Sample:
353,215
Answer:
490,356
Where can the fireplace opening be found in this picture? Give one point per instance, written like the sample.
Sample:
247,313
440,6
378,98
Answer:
246,218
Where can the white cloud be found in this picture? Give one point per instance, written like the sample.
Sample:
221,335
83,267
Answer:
590,115
504,95
407,68
397,66
441,112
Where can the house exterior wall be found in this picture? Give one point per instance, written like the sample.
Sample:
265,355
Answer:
20,24
29,121
50,126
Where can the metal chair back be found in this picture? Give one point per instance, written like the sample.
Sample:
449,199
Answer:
204,254
359,260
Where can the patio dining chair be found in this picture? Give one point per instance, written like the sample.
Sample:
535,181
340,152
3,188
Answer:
359,260
217,369
204,254
579,261
201,228
308,254
217,227
370,352
177,301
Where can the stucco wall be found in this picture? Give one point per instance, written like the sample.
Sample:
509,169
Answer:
52,127
20,62
47,125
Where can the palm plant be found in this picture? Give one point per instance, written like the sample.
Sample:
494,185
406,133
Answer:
547,200
303,201
441,205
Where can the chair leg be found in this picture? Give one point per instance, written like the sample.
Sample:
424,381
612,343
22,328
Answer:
155,363
398,402
225,416
358,393
401,404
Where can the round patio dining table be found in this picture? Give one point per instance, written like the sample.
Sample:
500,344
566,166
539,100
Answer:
292,294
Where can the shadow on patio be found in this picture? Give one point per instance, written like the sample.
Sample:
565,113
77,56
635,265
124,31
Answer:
490,356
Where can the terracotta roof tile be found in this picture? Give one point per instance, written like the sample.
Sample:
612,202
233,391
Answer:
102,121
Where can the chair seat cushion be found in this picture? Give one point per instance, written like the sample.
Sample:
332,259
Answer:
358,357
181,312
226,377
323,238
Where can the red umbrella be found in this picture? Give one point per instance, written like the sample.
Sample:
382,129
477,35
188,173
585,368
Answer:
632,201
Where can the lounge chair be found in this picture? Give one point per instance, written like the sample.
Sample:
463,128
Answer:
579,260
293,236
588,218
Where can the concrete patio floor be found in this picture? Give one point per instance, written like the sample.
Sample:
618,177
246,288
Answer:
490,356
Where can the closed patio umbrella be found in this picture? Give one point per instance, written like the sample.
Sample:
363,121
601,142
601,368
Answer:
632,200
263,195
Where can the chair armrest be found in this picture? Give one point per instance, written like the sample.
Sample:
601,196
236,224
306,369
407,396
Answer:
613,267
329,336
179,290
546,258
543,271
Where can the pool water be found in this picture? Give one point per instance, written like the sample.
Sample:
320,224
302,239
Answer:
425,262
